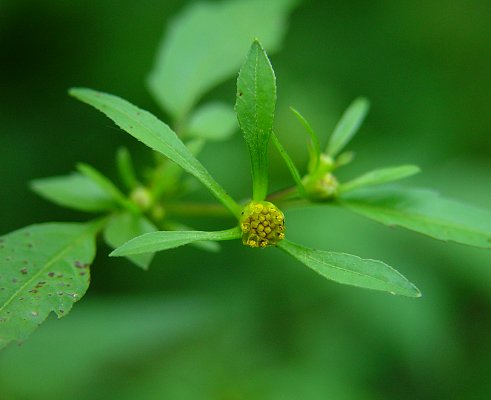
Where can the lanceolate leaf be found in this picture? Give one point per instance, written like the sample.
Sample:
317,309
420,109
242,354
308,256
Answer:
348,125
106,185
291,166
380,176
74,191
212,121
126,226
206,245
43,268
155,134
423,211
164,240
126,169
255,105
315,148
352,270
206,45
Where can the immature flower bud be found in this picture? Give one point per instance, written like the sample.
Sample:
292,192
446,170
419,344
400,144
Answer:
321,188
262,224
142,197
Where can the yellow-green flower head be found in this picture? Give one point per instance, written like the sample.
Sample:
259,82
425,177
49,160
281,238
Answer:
262,224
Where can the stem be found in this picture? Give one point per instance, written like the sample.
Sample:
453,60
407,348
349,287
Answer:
196,209
282,194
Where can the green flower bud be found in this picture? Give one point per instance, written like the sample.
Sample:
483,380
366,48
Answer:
323,188
142,197
262,224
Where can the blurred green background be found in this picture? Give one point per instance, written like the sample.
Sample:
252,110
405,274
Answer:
245,324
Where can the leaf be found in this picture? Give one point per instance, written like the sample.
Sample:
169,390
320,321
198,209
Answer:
206,245
126,169
106,185
43,268
380,176
255,105
155,134
74,191
423,211
126,226
291,166
315,148
212,121
164,240
352,270
206,44
347,126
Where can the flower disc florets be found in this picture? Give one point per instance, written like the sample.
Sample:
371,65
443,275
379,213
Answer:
262,224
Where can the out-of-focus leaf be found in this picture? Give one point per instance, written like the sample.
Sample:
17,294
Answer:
347,126
106,185
423,211
291,166
155,134
212,121
164,240
125,168
206,45
126,226
314,148
380,176
43,268
255,106
74,191
352,270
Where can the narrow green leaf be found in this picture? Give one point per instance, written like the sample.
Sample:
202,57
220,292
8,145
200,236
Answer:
212,121
126,169
255,105
43,268
352,270
164,240
291,166
380,176
206,245
314,141
106,185
347,126
155,134
206,44
126,226
74,191
423,211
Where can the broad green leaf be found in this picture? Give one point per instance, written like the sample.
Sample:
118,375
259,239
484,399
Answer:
206,44
206,245
212,121
347,126
164,240
352,270
380,176
74,191
126,169
315,148
43,268
291,166
255,105
106,185
423,211
155,134
126,226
